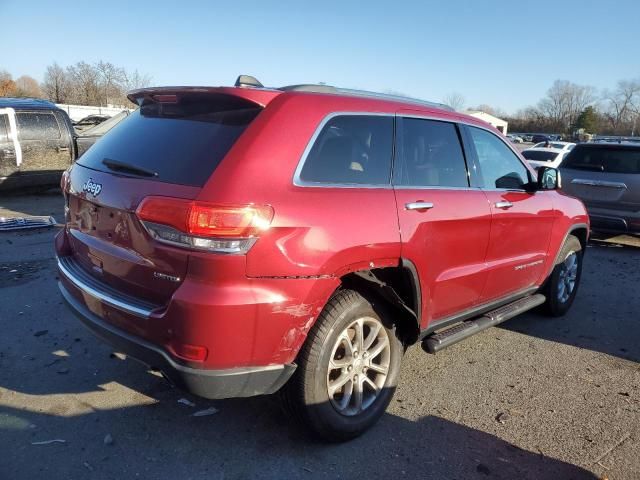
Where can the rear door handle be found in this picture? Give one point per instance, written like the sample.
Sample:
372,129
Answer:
504,204
418,206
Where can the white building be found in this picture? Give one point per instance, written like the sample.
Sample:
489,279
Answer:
495,121
78,112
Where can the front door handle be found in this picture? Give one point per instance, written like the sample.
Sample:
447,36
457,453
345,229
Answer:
418,206
504,204
62,149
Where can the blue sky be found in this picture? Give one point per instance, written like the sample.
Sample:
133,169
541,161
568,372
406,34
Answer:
494,52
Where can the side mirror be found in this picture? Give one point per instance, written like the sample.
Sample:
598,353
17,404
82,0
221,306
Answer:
548,178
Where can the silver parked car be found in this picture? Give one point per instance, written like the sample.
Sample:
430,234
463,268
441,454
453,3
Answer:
606,177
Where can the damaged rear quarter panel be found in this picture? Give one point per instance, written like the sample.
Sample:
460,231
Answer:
282,327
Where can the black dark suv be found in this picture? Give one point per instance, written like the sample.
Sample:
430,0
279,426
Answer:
36,143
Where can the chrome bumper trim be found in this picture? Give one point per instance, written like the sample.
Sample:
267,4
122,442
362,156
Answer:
107,298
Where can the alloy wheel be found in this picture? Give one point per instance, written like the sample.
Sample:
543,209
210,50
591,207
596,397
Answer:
567,277
359,366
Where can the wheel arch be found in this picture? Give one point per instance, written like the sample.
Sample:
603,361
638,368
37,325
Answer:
578,230
396,290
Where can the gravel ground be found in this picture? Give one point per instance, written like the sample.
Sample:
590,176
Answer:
537,398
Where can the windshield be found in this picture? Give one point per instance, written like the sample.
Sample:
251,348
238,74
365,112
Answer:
539,155
182,142
604,159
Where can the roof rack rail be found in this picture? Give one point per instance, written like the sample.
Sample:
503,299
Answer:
315,88
248,81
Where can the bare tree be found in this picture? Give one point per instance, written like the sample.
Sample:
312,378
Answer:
84,84
135,79
111,79
454,100
564,102
27,86
623,103
56,84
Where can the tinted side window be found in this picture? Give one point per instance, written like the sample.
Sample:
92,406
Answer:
604,159
37,126
4,129
499,166
430,154
351,149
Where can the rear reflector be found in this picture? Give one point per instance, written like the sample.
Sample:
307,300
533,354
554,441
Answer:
204,226
191,353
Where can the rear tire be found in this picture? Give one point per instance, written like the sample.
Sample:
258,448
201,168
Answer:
562,284
347,370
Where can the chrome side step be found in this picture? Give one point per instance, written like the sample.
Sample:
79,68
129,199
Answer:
445,338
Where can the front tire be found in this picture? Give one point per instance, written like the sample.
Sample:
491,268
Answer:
347,369
562,285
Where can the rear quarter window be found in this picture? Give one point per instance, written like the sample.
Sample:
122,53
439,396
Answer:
181,142
351,150
604,159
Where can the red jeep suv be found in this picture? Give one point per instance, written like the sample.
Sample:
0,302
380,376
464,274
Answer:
245,240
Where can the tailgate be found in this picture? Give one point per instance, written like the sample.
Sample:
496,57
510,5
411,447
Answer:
109,242
169,147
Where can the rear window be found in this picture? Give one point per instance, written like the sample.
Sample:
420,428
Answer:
181,142
37,126
539,156
351,149
604,159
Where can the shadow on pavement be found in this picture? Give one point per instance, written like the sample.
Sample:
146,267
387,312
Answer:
252,438
27,203
86,394
604,315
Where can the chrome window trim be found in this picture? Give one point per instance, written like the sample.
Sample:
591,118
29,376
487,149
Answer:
113,302
600,183
298,182
433,187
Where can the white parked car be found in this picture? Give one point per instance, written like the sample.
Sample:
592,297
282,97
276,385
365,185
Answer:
514,138
544,157
561,145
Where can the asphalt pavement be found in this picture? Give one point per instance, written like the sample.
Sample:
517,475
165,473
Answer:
536,398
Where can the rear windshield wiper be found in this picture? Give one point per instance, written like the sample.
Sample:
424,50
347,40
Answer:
127,167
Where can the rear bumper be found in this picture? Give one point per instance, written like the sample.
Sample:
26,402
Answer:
610,220
213,384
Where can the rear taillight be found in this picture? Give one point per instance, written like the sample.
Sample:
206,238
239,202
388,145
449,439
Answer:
204,226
